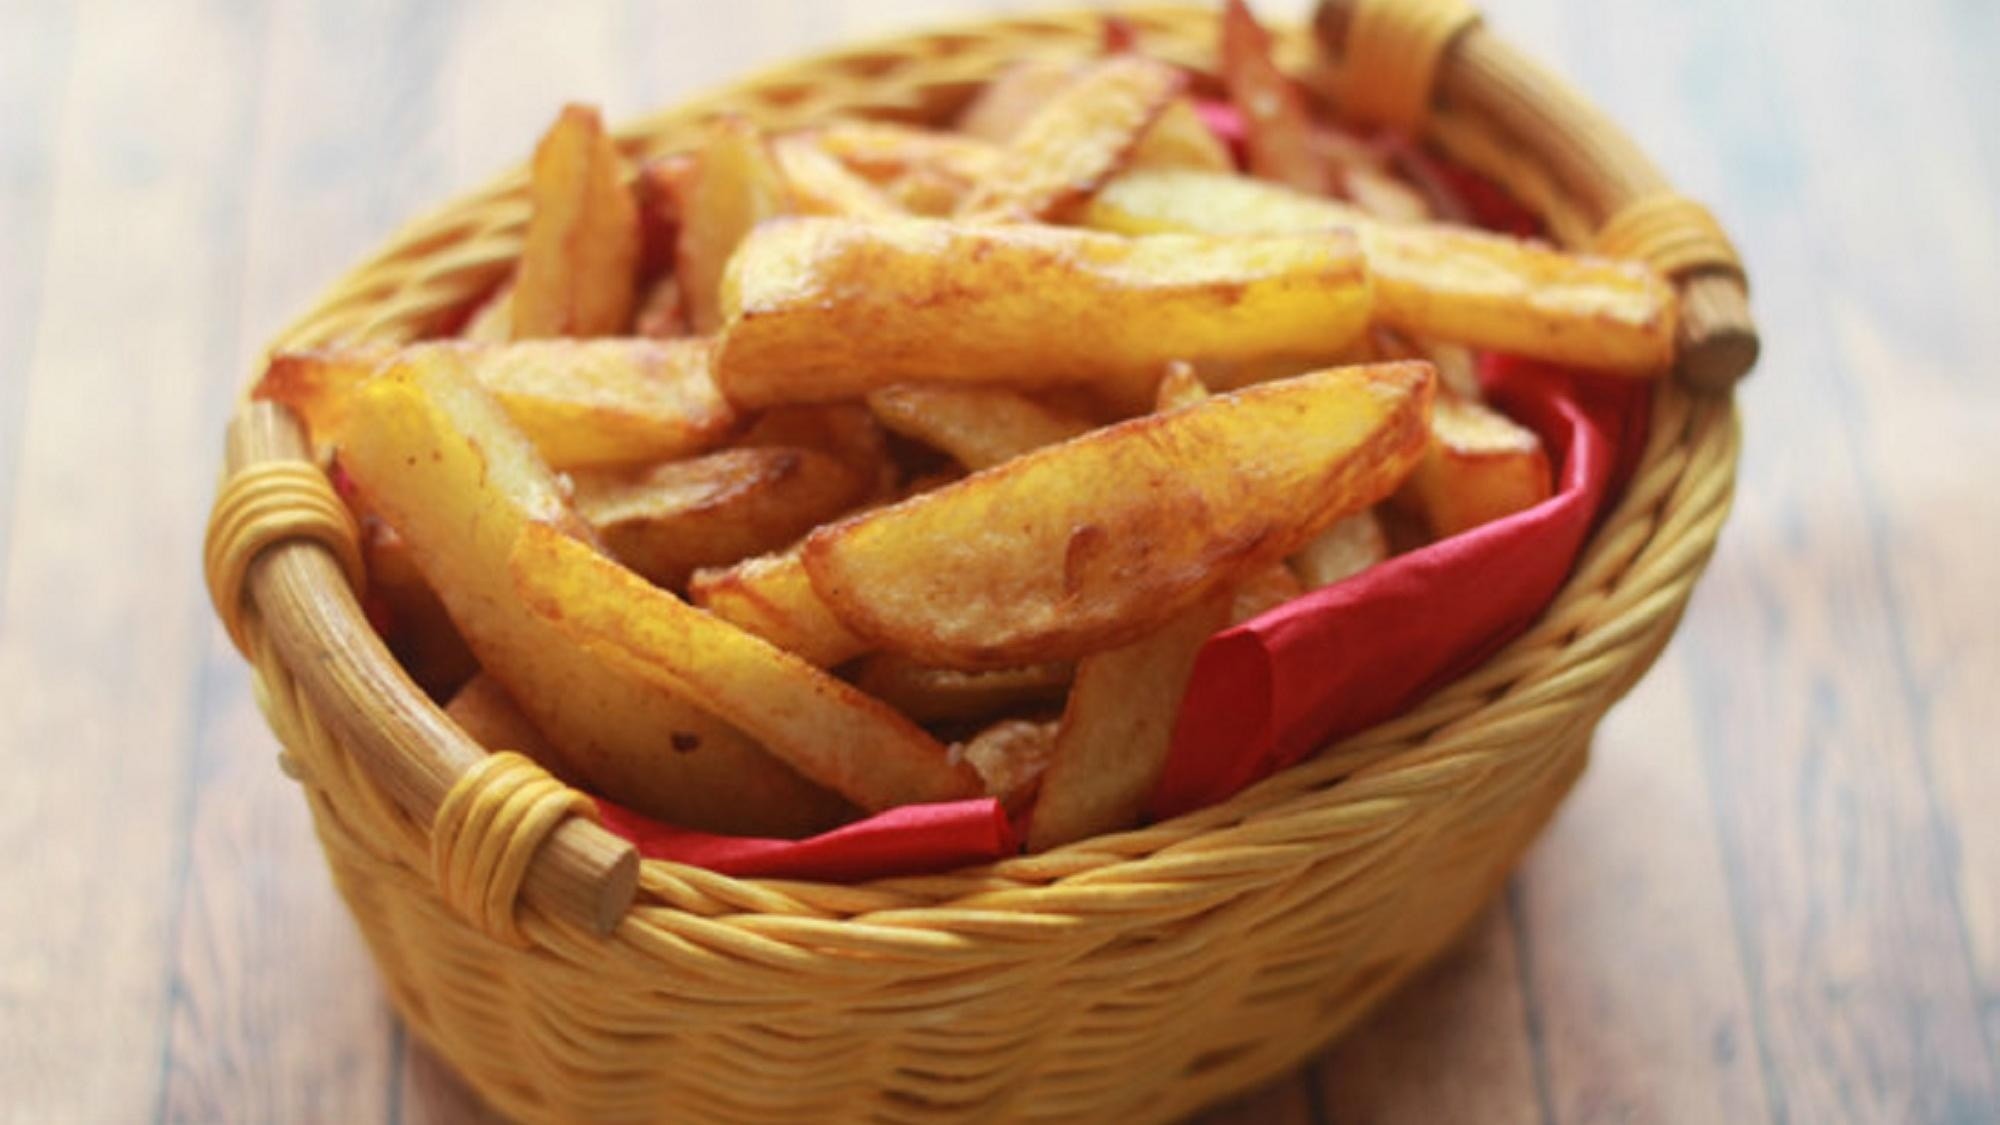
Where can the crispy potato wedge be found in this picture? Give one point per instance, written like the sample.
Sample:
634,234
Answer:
844,431
1010,757
823,309
772,597
1277,130
979,426
580,259
1265,590
819,725
420,633
1099,540
1481,465
1019,92
734,184
1116,730
1180,139
1437,281
1353,544
669,519
492,322
1075,140
582,402
931,695
883,151
484,710
437,457
1179,387
822,185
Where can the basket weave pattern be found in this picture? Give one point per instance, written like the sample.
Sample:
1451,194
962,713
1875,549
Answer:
1126,978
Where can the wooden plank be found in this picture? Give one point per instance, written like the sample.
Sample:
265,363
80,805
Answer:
101,636
1904,294
1628,891
278,1016
1452,1045
429,1092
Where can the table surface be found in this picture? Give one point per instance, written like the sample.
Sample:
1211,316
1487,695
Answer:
1775,896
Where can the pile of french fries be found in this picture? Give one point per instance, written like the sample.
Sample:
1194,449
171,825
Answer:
802,476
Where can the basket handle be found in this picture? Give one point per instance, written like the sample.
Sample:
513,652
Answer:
1626,197
295,577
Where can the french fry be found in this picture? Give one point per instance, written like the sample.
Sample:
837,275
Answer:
823,309
931,695
492,322
1263,591
1179,139
1480,466
734,185
820,726
484,711
1353,544
1010,757
884,153
582,402
844,431
1097,541
1277,131
580,259
1116,730
1075,140
1435,281
1179,387
978,426
420,633
439,460
1006,104
667,520
772,597
822,185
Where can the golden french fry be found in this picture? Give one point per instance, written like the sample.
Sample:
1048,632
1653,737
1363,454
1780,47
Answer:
1098,540
931,695
844,431
1265,590
1115,732
1353,544
492,322
1010,757
418,630
485,712
1180,139
1277,131
1480,465
823,309
822,185
734,184
979,426
580,258
1005,104
820,726
438,459
582,402
772,597
882,152
1179,387
1075,140
667,520
1433,280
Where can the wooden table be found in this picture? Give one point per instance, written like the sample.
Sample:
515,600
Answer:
1776,896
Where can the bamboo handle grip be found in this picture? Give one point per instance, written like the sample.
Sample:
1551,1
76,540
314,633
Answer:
1596,162
409,747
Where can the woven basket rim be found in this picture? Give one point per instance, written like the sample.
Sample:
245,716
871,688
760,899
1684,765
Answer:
1665,515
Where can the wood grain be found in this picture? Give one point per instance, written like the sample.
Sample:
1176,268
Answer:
1776,895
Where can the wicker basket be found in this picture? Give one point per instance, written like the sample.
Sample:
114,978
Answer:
1126,978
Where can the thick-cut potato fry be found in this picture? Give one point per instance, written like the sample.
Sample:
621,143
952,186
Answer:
1005,104
1180,139
1481,465
1353,544
492,322
582,402
844,431
419,631
1179,387
1277,130
438,459
580,259
1265,590
822,185
1445,282
1010,757
734,185
484,711
1115,732
662,316
823,309
668,520
772,596
819,725
931,695
883,151
1076,140
1098,540
979,426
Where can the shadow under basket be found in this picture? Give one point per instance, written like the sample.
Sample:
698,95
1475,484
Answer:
1133,977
